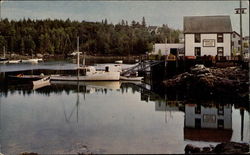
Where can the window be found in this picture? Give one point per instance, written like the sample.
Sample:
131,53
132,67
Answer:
197,51
197,38
232,43
198,109
220,37
220,51
239,42
220,110
220,124
234,35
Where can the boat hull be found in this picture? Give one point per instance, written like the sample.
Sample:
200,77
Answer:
104,76
41,83
30,61
131,78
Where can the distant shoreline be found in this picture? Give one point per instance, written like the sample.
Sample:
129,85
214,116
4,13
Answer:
55,57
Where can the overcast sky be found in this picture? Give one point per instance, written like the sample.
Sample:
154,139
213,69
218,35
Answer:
155,12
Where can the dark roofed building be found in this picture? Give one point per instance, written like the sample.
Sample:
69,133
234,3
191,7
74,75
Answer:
207,35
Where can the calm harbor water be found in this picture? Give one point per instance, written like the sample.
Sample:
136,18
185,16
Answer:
112,117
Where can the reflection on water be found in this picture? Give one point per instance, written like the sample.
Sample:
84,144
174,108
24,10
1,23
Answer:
111,117
208,123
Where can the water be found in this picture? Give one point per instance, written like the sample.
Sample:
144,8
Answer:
112,117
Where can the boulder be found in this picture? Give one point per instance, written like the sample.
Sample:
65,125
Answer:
228,81
222,148
231,148
189,149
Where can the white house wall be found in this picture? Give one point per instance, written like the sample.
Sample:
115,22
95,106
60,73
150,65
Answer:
236,46
190,44
165,48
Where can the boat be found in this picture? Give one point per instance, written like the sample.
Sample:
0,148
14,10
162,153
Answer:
30,61
27,79
3,60
89,73
131,78
41,83
119,62
14,61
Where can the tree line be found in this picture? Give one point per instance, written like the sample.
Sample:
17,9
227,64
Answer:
48,36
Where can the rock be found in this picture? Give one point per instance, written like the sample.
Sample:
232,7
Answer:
230,81
232,148
206,149
192,149
223,148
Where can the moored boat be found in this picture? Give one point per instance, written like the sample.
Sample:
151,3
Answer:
3,60
41,83
119,62
89,73
21,78
14,61
30,61
131,78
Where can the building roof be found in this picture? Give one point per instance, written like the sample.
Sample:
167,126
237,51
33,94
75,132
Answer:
236,33
207,24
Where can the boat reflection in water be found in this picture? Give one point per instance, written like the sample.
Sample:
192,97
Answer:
113,85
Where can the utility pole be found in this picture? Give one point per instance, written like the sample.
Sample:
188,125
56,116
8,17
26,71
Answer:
240,11
1,10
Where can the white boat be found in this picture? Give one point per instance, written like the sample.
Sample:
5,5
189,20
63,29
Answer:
41,83
119,62
89,73
3,60
131,78
30,61
14,61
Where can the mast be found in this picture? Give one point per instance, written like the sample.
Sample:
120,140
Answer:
78,72
3,51
241,11
83,61
77,52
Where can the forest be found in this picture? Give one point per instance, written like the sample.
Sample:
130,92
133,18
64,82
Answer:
54,37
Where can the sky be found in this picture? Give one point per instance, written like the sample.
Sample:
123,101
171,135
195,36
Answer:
156,13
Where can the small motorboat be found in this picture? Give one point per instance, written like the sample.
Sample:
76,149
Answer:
25,77
3,60
119,62
30,61
131,78
14,61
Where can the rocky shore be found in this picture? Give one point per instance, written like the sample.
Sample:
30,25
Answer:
222,148
219,82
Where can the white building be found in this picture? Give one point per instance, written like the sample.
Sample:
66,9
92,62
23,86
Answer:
235,43
246,47
166,49
153,29
207,35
